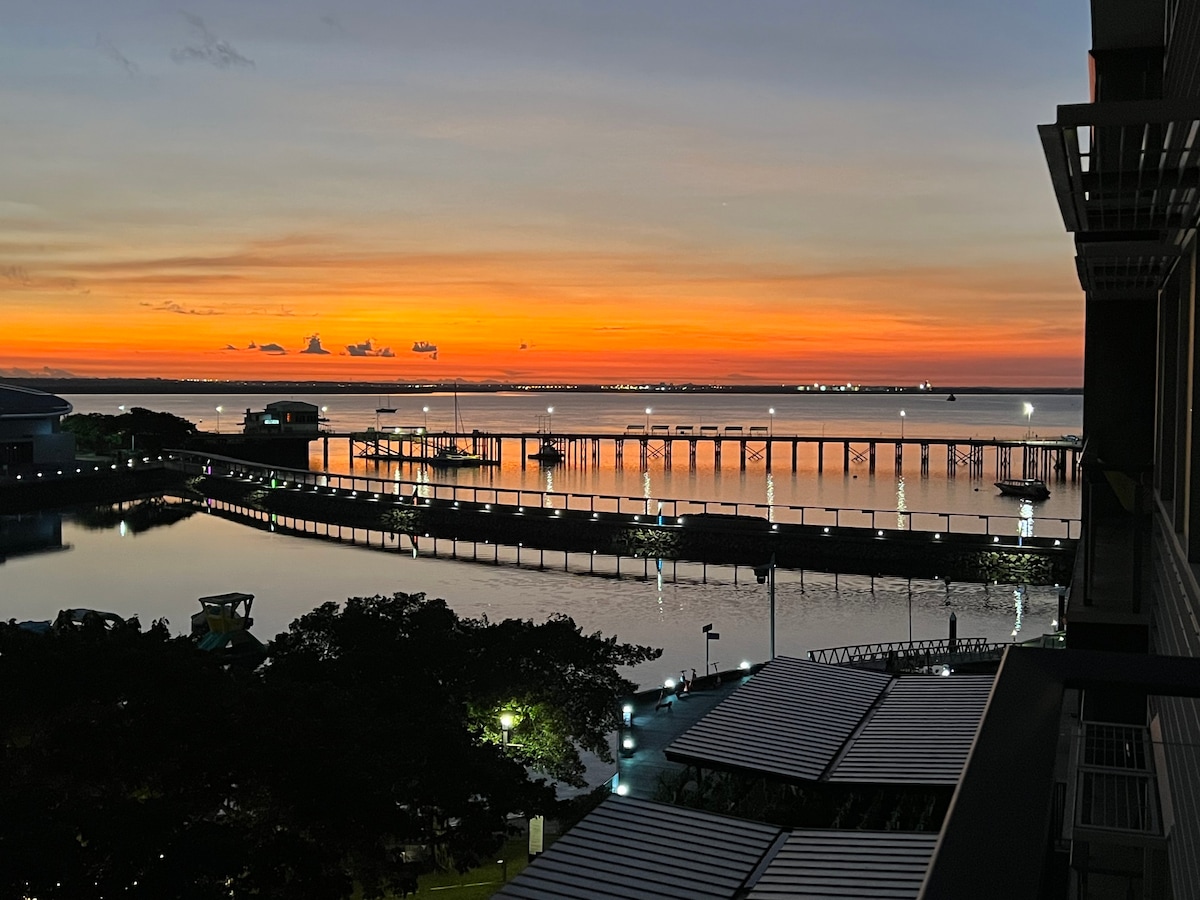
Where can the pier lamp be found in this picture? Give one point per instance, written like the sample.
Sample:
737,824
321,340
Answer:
1028,419
902,415
220,409
550,419
425,410
648,411
771,421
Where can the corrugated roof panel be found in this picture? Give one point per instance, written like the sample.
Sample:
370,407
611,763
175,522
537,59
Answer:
920,734
858,864
790,719
634,848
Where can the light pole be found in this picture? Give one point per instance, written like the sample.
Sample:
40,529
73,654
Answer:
425,410
549,419
767,573
902,415
220,410
1028,420
771,422
506,724
648,411
709,635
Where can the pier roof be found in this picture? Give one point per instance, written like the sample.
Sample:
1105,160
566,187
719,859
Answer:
808,721
26,403
636,848
658,851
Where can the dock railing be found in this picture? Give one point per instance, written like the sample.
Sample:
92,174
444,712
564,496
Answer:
665,511
897,656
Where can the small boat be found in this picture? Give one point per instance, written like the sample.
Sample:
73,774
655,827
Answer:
951,398
388,408
1026,488
547,453
455,458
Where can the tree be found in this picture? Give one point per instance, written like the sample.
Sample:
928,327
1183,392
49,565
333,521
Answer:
139,428
133,764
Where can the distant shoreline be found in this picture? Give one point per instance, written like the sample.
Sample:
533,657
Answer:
181,386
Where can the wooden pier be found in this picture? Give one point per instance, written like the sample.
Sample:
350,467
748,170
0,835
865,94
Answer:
1056,460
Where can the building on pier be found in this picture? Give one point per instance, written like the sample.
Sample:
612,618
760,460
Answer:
30,432
284,417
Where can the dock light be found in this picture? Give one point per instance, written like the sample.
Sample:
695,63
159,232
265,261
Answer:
648,411
775,527
995,540
827,529
937,536
902,415
744,665
622,790
680,520
549,419
627,743
771,421
879,534
520,509
425,410
595,515
669,683
487,506
220,409
1028,419
637,518
1057,542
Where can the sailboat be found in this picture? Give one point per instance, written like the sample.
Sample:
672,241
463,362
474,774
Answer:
386,409
454,457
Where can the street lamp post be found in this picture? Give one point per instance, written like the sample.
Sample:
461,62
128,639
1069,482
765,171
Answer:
902,416
1028,420
425,410
506,724
648,411
220,409
767,573
771,422
549,419
709,635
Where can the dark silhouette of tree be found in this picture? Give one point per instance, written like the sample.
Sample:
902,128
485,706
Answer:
133,764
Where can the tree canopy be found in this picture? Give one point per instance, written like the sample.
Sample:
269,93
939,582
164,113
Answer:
139,428
132,763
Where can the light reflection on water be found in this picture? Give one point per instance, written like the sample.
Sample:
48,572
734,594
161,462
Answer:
160,573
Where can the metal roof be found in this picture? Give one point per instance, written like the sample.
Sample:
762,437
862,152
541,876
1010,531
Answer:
887,865
790,719
920,734
635,848
26,403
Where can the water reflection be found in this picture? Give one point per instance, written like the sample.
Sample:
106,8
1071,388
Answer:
770,497
29,533
901,504
1025,522
1019,605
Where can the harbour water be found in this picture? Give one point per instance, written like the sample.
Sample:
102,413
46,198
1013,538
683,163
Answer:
160,572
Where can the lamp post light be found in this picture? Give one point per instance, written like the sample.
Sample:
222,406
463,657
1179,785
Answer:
767,573
425,410
709,635
220,409
549,419
1028,420
771,422
506,724
902,416
648,411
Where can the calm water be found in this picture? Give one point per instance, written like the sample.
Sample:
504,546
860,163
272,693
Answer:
160,572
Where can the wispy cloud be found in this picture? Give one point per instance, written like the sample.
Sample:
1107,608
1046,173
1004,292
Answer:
109,51
172,307
206,47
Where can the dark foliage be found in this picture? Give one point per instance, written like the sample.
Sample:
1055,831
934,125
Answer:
138,429
132,764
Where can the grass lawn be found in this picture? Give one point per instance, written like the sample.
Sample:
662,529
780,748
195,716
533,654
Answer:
477,883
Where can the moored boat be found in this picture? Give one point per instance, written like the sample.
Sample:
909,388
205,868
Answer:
547,453
455,458
1026,488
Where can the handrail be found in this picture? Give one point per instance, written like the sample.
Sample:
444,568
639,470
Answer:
669,510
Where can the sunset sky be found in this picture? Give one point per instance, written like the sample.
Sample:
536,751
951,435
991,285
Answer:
545,191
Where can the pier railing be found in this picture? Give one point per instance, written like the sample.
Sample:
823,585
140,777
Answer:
651,510
908,655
